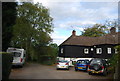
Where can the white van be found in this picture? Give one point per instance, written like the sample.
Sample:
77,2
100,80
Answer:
18,56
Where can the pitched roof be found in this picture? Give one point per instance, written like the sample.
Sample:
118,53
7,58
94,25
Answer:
90,41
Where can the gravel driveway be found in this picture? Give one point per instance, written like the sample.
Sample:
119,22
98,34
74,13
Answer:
38,71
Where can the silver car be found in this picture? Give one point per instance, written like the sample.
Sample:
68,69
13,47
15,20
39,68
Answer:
62,65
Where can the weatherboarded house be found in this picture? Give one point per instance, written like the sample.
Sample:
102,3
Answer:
90,47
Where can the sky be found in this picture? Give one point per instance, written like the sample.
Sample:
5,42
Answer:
76,15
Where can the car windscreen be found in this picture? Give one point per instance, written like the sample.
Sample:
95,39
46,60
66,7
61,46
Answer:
96,61
81,61
16,54
62,61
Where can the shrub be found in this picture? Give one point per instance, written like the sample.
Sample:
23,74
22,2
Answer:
6,64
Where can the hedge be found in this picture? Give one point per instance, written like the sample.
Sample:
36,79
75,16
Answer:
7,59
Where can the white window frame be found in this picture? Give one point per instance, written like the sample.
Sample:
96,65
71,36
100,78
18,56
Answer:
116,51
61,50
86,51
109,50
99,50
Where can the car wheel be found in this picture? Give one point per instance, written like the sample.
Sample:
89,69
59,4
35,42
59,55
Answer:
89,73
76,69
67,68
21,66
86,70
57,68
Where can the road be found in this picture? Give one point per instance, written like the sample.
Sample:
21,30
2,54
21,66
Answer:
38,71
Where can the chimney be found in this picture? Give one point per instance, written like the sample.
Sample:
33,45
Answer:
113,30
73,33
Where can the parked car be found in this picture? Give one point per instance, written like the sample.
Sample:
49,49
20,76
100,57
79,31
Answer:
18,56
81,65
63,64
99,66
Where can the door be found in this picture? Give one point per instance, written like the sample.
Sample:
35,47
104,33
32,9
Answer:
17,57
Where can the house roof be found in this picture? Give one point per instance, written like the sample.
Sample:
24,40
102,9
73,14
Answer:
90,41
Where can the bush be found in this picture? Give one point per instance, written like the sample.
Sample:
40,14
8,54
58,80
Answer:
6,65
47,60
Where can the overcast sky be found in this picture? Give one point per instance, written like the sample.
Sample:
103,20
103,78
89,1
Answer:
77,15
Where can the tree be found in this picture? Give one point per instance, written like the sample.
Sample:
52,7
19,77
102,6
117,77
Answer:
95,31
115,63
48,56
9,13
118,62
54,52
112,23
32,29
54,47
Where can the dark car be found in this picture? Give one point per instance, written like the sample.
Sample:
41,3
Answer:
81,65
99,66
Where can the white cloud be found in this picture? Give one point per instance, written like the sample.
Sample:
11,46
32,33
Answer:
57,38
74,11
74,0
76,25
79,23
62,10
72,14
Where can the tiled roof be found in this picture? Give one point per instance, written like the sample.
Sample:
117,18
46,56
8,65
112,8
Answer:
90,41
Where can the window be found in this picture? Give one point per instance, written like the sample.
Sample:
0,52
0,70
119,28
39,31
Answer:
61,50
81,61
109,50
116,51
24,55
86,50
99,50
96,61
16,54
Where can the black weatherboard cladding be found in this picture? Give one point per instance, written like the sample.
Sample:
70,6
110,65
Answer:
77,51
104,53
74,51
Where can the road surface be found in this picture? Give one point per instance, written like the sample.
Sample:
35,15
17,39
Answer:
38,71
